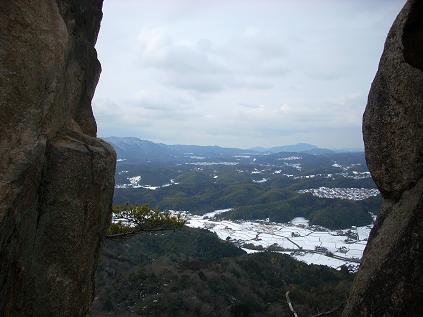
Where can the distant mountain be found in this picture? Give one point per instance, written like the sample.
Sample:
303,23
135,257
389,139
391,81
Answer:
132,148
348,150
298,148
319,151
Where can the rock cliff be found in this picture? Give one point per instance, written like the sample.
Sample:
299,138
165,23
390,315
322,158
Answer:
56,177
390,280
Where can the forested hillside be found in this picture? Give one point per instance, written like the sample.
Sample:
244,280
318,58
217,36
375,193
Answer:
190,272
257,185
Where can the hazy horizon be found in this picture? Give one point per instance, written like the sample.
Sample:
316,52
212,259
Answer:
238,147
240,73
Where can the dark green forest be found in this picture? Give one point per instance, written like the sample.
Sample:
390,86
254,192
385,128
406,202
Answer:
190,272
277,199
256,185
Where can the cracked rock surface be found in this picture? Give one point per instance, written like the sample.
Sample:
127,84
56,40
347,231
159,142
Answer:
390,280
56,177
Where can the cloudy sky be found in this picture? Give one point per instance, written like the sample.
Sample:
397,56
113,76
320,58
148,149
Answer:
239,72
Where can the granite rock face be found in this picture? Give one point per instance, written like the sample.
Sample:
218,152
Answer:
390,280
56,177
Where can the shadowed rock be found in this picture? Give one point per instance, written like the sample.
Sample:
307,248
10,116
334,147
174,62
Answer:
390,280
56,177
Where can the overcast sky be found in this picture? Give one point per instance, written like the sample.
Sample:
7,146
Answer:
239,73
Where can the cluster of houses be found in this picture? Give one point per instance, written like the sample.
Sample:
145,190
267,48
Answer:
341,193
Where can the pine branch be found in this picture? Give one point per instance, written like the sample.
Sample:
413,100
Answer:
125,235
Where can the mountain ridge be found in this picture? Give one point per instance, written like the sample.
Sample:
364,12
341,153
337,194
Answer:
129,147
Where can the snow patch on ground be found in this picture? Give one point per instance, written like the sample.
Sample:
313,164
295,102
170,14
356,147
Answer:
134,182
215,213
300,221
260,181
297,166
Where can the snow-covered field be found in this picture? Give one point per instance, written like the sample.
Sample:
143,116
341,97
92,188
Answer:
135,182
311,244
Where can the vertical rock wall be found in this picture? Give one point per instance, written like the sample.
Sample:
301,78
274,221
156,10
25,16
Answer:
56,177
390,280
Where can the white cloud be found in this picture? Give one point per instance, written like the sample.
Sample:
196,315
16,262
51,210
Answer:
239,73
